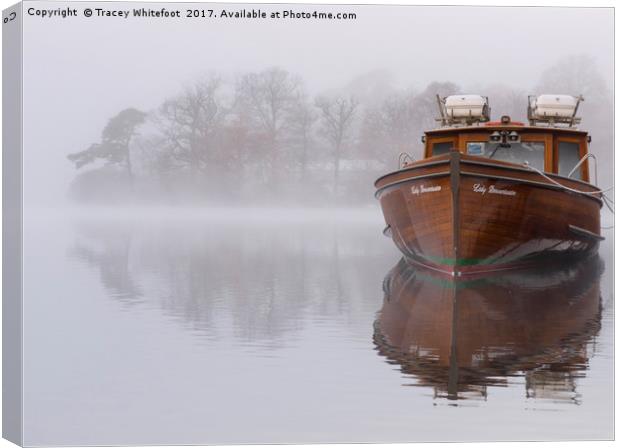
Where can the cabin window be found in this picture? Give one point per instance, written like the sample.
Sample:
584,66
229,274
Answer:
442,148
476,148
532,152
568,158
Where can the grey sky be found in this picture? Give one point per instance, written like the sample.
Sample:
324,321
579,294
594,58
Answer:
78,72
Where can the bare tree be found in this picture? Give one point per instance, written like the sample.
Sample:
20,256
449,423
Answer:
302,120
265,98
505,100
575,75
390,128
337,115
372,136
396,124
579,74
401,122
191,124
426,102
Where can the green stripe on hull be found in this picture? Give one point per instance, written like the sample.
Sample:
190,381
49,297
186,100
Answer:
462,261
455,262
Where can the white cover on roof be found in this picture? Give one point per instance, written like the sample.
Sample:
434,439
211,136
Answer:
562,106
462,106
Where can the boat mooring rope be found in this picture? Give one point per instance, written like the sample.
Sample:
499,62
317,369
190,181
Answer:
605,198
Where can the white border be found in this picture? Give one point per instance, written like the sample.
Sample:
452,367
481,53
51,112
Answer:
558,3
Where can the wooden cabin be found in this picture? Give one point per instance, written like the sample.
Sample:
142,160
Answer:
540,202
551,149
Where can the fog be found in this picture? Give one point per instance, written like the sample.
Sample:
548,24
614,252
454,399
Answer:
388,55
235,316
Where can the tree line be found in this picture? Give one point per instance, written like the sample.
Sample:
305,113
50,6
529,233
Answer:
262,137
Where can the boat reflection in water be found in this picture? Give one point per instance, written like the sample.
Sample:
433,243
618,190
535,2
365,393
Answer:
462,336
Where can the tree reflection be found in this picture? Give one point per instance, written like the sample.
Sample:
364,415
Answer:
261,280
111,257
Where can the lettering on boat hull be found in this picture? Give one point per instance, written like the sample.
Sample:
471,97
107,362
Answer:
492,189
485,218
425,189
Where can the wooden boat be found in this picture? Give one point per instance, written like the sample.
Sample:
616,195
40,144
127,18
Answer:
495,195
461,336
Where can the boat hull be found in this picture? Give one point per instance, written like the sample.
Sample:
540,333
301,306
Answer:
466,215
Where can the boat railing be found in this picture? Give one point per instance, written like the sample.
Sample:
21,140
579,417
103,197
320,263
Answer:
403,159
583,159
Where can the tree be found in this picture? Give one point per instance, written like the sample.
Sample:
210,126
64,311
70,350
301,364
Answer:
426,103
302,120
390,128
396,124
115,139
265,98
505,100
574,75
578,74
191,124
337,116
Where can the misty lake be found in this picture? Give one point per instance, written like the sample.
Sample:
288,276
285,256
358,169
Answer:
267,326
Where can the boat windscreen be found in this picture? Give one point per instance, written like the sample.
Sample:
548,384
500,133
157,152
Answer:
442,148
568,158
531,152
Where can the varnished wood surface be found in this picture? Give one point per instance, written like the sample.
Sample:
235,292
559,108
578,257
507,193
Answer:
485,231
421,224
437,166
483,165
500,229
551,136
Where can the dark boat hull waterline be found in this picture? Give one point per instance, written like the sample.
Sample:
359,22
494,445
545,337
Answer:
467,215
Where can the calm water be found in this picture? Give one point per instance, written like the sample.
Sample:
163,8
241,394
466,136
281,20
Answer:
299,327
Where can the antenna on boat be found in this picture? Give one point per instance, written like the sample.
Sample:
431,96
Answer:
553,110
463,110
